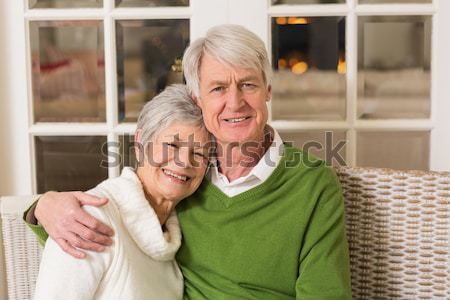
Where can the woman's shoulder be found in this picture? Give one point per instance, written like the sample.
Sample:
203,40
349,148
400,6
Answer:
122,192
108,213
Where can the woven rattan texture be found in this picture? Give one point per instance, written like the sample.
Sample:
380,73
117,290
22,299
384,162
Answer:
398,225
22,257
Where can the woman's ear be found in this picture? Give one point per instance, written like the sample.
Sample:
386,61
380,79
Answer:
138,147
197,100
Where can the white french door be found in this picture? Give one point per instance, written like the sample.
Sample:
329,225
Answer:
373,73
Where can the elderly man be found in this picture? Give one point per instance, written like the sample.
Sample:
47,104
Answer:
267,222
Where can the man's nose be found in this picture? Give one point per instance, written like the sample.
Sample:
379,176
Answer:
235,98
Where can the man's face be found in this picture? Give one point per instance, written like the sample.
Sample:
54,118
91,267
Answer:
233,101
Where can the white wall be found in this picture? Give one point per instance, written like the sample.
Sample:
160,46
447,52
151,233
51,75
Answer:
4,122
4,138
14,144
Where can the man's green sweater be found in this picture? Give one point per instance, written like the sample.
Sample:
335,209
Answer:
283,239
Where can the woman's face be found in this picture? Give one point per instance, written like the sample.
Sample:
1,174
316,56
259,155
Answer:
175,162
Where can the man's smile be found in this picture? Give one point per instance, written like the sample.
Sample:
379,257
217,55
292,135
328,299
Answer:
236,119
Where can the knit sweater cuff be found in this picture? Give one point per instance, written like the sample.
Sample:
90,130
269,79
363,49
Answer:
31,222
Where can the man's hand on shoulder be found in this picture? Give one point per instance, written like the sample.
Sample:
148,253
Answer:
72,228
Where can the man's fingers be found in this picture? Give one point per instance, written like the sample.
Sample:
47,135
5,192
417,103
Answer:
92,223
66,247
86,199
80,243
95,241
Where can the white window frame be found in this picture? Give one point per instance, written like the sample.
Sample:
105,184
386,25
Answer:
255,15
437,124
112,129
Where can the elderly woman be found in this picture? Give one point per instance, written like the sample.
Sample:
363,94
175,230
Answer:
140,264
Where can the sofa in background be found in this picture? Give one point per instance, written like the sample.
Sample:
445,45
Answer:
398,226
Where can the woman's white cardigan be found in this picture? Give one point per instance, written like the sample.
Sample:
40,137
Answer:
139,265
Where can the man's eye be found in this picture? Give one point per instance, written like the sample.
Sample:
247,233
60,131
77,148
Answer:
218,89
248,86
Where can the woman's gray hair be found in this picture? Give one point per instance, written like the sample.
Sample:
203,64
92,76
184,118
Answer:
231,44
174,104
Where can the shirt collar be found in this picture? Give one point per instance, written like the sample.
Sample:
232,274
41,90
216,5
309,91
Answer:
270,160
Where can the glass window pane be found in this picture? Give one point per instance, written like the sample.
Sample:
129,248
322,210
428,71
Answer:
277,2
308,57
66,163
401,150
394,59
149,56
143,3
65,3
126,150
68,71
393,1
327,145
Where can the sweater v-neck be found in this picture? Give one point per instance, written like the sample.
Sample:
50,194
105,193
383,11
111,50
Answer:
208,188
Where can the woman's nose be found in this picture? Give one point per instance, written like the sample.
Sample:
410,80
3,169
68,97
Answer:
184,159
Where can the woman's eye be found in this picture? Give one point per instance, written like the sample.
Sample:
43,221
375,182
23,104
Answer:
199,154
171,145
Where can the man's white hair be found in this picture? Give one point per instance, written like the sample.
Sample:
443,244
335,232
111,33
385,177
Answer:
233,45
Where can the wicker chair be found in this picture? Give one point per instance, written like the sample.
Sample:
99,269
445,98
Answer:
398,224
22,251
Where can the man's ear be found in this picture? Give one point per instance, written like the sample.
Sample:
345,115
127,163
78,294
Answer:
269,93
138,147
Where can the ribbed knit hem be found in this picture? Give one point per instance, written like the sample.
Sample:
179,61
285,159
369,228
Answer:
38,230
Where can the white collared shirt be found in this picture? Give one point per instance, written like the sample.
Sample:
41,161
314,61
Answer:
257,175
